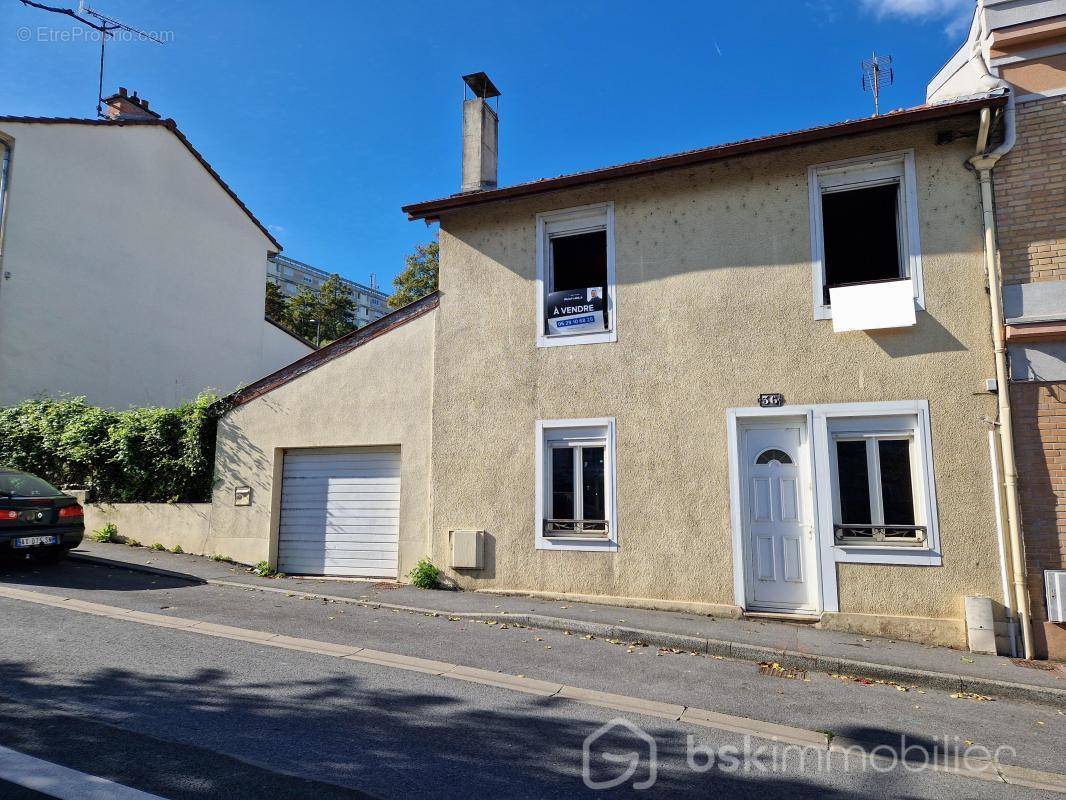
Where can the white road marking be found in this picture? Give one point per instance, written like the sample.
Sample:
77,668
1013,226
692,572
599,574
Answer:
62,782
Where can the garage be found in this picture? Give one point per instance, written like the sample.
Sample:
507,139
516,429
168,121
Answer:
340,512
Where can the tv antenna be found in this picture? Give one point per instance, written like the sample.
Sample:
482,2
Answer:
106,26
877,72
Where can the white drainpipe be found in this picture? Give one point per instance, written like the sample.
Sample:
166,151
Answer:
1001,541
983,162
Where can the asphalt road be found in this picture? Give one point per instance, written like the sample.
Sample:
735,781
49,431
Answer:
11,791
182,715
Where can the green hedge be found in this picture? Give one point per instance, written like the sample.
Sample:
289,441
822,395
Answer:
155,455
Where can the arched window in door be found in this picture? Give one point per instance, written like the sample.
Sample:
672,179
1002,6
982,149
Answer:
773,454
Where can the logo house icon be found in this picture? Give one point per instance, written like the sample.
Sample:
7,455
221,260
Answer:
628,762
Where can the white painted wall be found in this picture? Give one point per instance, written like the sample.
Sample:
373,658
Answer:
134,278
279,349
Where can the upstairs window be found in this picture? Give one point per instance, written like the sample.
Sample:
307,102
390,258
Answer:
860,229
864,226
575,276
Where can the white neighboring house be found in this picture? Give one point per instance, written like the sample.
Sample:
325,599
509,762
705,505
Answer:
130,273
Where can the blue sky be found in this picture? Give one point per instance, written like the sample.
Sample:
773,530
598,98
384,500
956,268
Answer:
326,117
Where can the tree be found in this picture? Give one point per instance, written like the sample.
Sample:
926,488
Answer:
302,309
336,309
419,278
276,303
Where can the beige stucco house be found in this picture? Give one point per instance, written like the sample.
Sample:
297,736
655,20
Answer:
130,273
752,378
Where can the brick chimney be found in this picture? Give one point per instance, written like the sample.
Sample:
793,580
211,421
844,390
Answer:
123,105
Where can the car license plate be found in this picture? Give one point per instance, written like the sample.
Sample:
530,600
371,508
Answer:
33,541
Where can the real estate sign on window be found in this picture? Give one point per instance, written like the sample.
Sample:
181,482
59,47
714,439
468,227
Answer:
576,310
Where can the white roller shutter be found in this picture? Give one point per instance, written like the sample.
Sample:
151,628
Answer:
340,512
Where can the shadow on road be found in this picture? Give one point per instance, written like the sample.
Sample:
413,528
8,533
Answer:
71,574
157,731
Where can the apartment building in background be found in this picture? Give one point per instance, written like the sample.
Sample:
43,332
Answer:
291,275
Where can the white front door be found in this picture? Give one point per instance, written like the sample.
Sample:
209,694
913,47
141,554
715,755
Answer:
778,535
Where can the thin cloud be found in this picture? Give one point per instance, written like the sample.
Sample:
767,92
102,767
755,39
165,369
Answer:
822,11
956,14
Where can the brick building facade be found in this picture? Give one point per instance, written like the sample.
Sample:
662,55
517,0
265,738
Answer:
1030,186
1040,449
1031,195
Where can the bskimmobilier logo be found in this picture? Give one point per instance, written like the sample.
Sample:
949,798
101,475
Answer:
604,741
621,752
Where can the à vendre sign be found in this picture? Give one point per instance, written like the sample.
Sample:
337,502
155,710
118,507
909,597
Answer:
576,310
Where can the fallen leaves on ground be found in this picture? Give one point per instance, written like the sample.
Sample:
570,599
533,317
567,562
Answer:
775,670
980,698
899,687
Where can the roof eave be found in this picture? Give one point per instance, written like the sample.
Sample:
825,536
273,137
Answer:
432,209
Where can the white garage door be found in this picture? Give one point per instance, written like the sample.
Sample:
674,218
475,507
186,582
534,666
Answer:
340,512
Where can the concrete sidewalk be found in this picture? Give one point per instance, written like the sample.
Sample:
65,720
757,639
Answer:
795,645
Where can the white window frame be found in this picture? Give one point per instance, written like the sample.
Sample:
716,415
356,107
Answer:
871,430
581,219
820,418
599,429
857,173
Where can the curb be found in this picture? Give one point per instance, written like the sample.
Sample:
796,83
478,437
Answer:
929,679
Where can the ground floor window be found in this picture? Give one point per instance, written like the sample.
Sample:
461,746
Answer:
877,482
575,484
814,486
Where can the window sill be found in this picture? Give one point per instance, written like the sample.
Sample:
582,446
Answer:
589,544
826,311
543,340
893,554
